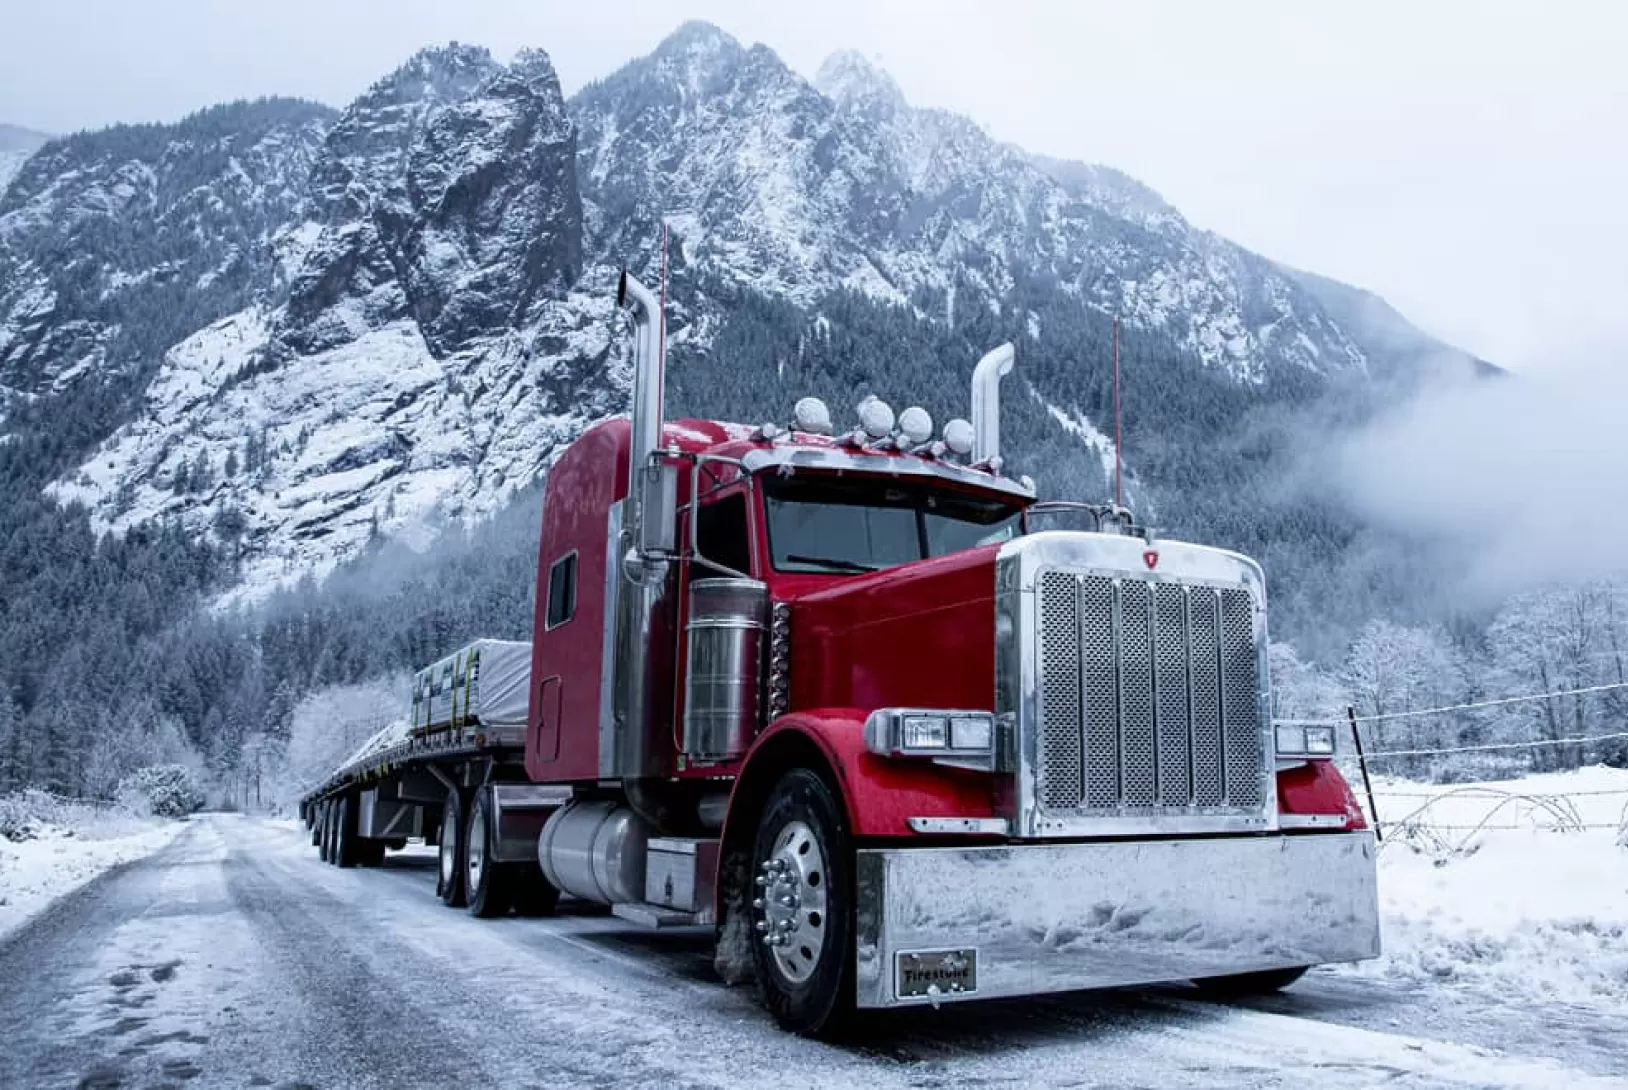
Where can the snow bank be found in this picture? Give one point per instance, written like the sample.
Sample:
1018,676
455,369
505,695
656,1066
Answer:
1520,886
66,846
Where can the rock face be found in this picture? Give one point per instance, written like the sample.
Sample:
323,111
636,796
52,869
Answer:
799,189
117,244
337,325
447,194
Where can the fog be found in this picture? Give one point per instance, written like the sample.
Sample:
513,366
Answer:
1517,481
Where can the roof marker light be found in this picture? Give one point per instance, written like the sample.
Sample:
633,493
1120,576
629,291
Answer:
916,424
958,435
811,416
876,417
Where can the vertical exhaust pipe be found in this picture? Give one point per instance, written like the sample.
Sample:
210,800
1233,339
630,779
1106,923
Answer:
986,405
649,372
639,598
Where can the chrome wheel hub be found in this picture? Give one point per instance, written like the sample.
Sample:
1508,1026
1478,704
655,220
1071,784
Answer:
476,849
447,852
790,903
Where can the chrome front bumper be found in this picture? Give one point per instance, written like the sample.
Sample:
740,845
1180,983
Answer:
1064,917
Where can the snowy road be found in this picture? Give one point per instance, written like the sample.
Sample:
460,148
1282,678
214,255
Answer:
233,958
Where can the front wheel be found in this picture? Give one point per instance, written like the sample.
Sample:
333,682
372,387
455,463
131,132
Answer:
1242,985
802,914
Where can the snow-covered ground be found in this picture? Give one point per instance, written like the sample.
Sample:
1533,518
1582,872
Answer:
1519,888
61,853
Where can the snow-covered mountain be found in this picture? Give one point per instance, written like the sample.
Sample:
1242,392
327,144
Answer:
16,145
336,325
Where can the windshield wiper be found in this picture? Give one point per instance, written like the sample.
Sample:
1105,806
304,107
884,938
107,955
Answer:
830,563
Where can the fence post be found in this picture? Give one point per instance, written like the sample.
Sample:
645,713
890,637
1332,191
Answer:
1362,763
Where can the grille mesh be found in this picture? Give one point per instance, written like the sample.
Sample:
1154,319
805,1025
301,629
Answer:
1148,697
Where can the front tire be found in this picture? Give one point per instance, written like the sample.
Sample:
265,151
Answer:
802,915
449,882
1243,985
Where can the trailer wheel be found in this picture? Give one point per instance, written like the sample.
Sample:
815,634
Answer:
313,824
449,884
345,831
1242,985
803,912
329,828
488,884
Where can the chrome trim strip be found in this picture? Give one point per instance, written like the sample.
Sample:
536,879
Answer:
607,648
1063,917
960,826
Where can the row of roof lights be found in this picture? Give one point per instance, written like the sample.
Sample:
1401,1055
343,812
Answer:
877,423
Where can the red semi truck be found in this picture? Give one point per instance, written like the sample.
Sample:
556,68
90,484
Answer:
839,694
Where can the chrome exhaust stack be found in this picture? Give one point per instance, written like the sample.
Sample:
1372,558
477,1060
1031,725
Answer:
986,405
646,540
649,370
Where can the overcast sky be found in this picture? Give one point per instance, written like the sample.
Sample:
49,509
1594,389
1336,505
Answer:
1467,160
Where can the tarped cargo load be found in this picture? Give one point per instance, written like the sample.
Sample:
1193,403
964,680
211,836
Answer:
486,683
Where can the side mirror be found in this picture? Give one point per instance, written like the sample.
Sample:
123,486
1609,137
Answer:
658,508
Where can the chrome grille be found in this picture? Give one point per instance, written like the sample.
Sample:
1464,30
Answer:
1148,697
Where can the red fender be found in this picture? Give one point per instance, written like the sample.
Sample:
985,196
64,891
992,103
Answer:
881,794
1317,787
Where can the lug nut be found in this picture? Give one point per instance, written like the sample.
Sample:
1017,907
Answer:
762,925
757,903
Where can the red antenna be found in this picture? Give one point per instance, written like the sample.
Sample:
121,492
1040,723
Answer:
1118,444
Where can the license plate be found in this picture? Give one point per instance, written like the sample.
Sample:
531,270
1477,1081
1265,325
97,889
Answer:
954,972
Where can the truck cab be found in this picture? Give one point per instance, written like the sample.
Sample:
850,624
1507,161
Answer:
836,691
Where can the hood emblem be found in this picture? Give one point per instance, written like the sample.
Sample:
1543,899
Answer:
1151,558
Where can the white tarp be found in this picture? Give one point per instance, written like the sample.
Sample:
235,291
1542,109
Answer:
487,682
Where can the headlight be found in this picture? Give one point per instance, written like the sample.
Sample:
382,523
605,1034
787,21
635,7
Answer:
961,739
924,732
1297,741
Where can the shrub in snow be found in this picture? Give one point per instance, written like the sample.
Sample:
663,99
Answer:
162,790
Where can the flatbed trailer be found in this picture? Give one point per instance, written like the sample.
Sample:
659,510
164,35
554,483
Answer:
408,783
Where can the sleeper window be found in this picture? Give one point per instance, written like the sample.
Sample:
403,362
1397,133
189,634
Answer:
562,590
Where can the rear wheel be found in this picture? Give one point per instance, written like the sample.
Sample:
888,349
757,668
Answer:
314,824
449,883
488,884
803,912
345,831
325,831
1241,985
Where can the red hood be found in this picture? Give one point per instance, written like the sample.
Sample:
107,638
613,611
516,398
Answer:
918,635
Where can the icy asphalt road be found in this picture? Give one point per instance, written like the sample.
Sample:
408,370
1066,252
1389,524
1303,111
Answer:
233,958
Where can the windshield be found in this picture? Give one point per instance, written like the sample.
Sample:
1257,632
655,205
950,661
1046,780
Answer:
839,525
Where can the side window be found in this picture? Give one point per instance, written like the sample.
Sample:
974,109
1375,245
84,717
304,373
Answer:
721,534
562,591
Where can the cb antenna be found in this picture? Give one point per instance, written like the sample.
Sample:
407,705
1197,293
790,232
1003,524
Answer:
1119,445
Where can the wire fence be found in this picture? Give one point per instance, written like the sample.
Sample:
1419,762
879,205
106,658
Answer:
1450,820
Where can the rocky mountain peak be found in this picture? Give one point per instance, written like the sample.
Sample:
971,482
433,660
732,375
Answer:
697,38
853,81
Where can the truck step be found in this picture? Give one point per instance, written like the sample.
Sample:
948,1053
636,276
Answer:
659,917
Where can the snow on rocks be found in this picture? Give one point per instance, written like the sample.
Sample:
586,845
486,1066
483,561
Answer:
1533,906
